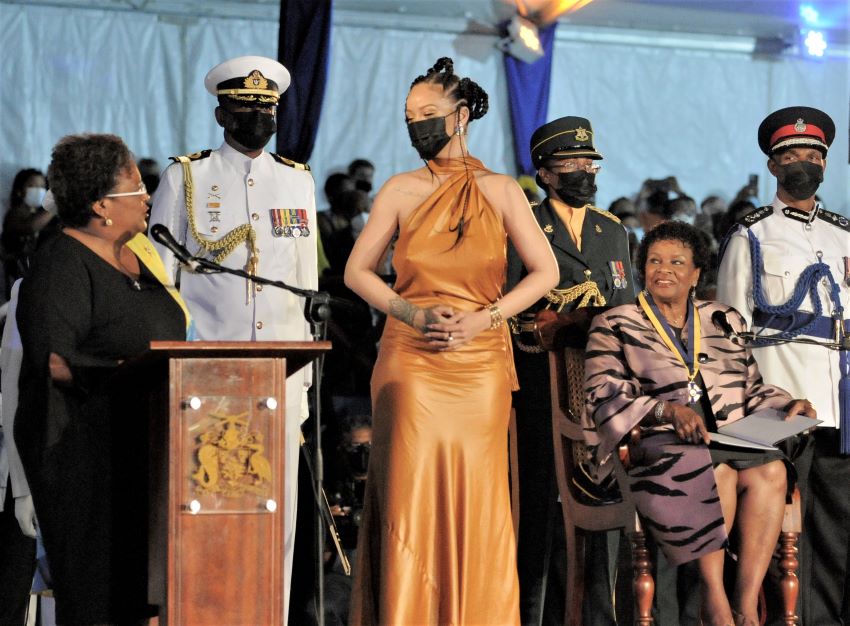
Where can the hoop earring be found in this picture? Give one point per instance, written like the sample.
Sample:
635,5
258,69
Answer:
107,222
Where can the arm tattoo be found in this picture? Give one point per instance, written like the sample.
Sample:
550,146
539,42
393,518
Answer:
430,317
403,310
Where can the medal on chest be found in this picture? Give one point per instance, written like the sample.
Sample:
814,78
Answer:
290,223
618,271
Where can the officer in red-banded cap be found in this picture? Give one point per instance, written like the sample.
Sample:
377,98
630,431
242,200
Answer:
786,268
248,209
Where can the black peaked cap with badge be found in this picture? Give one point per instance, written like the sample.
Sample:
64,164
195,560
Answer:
604,255
568,137
797,126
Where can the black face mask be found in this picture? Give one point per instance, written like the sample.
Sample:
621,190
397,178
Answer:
358,457
801,179
429,136
252,129
576,188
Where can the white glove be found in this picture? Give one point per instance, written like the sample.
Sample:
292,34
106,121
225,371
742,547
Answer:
25,514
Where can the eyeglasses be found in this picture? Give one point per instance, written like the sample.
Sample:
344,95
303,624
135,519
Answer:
572,166
143,191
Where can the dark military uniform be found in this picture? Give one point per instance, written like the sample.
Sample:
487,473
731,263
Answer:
597,275
604,240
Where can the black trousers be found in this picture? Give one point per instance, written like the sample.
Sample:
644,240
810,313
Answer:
536,475
824,479
17,566
541,551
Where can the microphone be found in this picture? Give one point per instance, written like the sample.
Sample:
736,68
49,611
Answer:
164,236
720,321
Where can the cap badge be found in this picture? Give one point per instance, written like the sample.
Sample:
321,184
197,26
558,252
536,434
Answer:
800,126
255,80
581,134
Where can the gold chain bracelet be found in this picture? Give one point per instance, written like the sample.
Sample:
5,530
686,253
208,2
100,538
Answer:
496,319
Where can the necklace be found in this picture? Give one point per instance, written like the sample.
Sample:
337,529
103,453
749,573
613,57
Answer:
676,321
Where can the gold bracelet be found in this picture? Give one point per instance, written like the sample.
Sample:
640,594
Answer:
496,318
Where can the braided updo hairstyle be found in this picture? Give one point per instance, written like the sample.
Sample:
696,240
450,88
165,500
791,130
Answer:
463,90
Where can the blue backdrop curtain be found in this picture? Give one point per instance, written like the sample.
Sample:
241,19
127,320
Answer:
528,94
303,48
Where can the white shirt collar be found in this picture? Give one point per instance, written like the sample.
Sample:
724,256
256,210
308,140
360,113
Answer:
242,162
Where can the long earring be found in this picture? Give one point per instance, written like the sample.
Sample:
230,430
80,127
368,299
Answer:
459,130
107,221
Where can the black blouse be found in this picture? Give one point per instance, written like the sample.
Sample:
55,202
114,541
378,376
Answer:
84,452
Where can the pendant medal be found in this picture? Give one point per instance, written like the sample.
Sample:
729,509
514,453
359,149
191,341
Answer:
694,392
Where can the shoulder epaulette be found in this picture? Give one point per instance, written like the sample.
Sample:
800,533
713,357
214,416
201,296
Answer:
607,214
836,219
755,216
290,162
195,156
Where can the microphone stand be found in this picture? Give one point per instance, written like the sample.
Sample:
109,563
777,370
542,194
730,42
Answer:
750,337
317,311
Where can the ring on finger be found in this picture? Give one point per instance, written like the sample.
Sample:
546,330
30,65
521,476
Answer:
450,338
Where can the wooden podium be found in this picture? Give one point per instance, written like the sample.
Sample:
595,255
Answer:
216,467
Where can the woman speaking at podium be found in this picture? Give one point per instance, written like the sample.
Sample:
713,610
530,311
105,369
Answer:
94,297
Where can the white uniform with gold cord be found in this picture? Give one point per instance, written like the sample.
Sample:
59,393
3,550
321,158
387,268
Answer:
230,190
791,241
256,214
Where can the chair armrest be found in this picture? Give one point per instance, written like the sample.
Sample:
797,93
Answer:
623,451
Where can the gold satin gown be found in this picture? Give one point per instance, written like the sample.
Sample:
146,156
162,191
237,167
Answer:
437,541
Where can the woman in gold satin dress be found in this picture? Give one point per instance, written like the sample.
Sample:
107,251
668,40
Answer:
437,541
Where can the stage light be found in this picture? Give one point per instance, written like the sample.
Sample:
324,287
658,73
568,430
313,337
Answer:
523,41
809,14
815,43
547,11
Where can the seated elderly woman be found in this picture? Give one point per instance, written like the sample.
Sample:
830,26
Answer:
95,296
663,365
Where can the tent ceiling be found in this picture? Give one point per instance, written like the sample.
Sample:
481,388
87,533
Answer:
754,18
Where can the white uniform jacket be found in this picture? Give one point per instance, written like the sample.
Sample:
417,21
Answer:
790,240
231,189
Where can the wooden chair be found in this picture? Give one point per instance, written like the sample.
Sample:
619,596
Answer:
789,585
567,384
565,340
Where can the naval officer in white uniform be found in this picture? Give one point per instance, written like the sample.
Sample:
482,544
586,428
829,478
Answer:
249,209
799,255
